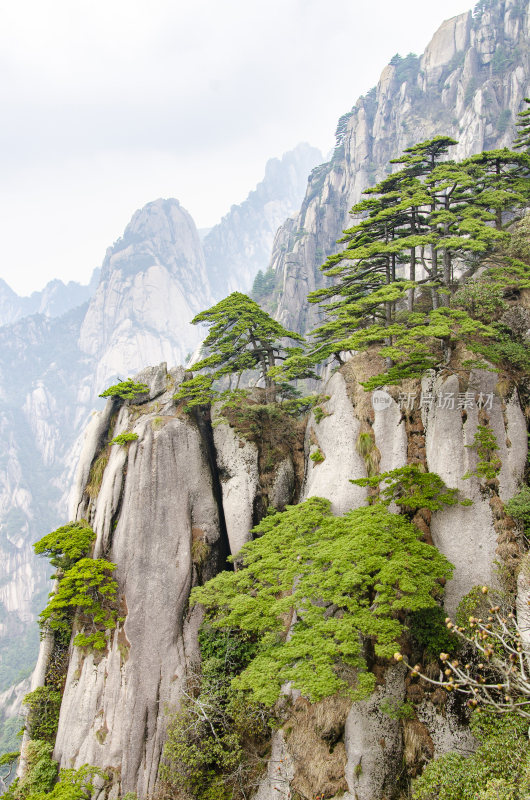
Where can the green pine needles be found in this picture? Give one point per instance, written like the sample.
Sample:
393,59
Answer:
124,439
67,544
488,463
312,586
85,586
126,390
241,337
88,588
411,488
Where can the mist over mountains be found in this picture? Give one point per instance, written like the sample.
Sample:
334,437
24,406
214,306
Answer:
62,346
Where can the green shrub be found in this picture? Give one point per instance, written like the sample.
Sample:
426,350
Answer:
127,390
368,451
498,770
519,506
89,588
124,438
67,544
488,465
44,705
40,781
505,351
214,743
344,577
319,414
411,488
474,603
95,476
317,456
41,772
429,629
397,710
482,299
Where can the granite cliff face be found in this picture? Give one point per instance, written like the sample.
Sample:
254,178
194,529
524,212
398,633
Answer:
240,245
469,84
153,282
53,363
170,506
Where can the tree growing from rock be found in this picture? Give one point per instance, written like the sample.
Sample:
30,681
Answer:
241,337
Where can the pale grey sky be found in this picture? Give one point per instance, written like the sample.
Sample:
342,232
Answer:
108,104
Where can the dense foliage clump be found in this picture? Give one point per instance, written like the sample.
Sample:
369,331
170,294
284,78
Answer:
67,544
126,390
43,781
44,705
500,768
217,740
411,488
124,439
313,585
85,585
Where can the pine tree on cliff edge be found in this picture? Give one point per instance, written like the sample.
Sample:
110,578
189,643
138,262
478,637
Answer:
242,337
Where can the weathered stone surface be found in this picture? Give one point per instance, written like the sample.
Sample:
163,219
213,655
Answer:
523,602
280,771
282,489
390,436
374,741
447,733
114,709
466,535
237,462
336,437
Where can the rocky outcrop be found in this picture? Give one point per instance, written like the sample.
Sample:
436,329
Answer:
468,535
334,440
374,741
447,431
155,500
469,84
153,282
237,462
240,245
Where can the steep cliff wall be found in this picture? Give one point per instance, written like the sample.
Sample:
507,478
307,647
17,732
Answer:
168,507
469,84
154,279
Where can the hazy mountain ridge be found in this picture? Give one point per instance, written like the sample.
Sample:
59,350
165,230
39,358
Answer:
153,281
239,246
55,299
469,84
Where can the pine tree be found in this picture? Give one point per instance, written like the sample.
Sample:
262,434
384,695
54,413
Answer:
242,337
522,140
501,182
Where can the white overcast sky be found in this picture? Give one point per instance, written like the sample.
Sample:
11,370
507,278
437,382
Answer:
108,104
